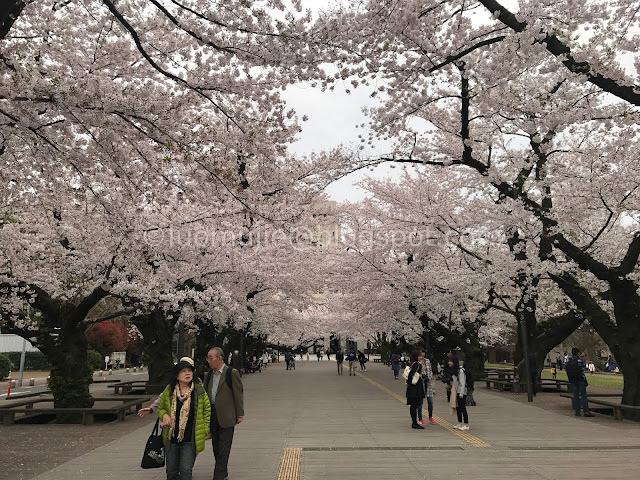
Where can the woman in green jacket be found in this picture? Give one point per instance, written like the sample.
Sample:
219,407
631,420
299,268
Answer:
185,412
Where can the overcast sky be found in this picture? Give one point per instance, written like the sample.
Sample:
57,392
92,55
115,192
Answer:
333,117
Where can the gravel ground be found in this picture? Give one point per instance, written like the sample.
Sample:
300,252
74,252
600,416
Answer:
29,450
552,401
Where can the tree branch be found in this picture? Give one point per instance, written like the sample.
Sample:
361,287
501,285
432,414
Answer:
558,48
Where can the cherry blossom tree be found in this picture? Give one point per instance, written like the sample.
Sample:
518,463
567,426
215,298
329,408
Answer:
541,105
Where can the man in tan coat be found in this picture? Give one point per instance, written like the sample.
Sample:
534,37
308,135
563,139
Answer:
227,408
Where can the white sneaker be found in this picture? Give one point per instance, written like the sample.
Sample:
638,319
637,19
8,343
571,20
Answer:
464,427
457,426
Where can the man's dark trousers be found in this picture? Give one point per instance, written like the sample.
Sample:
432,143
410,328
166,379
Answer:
221,439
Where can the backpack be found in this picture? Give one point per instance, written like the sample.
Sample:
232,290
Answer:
469,379
573,369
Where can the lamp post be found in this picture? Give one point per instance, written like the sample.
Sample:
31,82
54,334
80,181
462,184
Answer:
24,351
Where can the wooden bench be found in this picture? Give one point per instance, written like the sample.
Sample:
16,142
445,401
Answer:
87,414
618,408
498,383
125,388
19,395
556,383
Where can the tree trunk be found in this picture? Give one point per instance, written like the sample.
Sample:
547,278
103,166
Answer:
473,354
550,333
157,340
61,338
210,336
70,371
622,337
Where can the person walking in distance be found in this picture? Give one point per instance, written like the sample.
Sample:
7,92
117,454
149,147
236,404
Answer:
351,358
287,359
362,360
340,361
224,387
395,365
575,373
459,379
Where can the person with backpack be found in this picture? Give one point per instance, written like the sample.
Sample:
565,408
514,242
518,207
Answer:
395,365
415,391
575,373
362,359
339,361
459,380
469,383
224,387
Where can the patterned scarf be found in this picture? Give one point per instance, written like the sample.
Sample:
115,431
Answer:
184,411
453,406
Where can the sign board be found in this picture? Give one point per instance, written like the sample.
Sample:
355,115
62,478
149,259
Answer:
118,357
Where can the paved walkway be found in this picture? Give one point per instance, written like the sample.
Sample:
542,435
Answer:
322,426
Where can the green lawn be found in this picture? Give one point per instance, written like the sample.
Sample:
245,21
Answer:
506,366
610,380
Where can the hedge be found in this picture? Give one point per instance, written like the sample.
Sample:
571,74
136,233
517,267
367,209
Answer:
32,360
36,361
95,359
5,366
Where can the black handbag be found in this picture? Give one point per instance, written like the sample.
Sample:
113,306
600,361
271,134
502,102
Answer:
154,450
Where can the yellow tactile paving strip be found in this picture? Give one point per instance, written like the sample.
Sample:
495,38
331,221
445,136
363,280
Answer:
470,439
290,464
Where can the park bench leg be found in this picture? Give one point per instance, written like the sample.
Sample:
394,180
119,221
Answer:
87,418
121,415
617,413
488,385
8,418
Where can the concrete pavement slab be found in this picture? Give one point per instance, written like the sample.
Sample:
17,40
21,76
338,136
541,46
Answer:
358,428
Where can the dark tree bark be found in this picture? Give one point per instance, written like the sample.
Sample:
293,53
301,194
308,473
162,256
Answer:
10,10
157,339
61,338
622,336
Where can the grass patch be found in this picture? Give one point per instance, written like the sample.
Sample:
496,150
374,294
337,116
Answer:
505,366
609,380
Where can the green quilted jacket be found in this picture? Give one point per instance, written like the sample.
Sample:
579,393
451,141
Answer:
202,409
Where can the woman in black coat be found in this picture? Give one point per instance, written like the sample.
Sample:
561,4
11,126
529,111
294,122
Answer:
415,393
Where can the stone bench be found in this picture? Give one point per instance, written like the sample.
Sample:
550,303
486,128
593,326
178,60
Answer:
618,408
499,384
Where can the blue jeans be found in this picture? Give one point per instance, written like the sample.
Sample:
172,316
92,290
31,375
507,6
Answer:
580,390
429,408
180,458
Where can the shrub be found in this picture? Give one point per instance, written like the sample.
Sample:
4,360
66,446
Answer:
94,359
5,366
32,360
